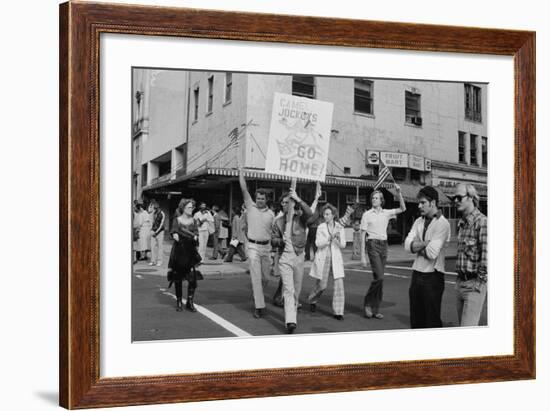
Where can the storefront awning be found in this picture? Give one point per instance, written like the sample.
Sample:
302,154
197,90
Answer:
211,173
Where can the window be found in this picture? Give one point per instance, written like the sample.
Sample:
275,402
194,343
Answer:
412,108
484,151
472,102
415,175
164,168
399,174
228,86
144,174
210,94
473,149
347,170
196,104
461,147
362,94
303,86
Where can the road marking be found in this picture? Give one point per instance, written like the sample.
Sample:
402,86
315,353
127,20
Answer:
391,274
398,267
232,328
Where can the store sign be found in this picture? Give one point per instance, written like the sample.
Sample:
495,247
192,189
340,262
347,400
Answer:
416,162
449,186
428,165
299,137
373,158
392,159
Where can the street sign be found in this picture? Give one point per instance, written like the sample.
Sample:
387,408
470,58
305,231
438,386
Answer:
299,137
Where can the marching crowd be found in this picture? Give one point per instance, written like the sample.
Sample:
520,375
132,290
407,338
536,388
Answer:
279,241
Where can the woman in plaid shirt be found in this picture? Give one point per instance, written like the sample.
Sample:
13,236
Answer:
471,263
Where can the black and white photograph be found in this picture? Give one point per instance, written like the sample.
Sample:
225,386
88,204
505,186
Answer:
274,204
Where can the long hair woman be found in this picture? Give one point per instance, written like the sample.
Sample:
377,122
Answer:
330,239
184,256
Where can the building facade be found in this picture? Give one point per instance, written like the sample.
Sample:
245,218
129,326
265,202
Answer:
192,129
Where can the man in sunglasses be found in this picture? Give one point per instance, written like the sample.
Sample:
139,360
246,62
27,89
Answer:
471,263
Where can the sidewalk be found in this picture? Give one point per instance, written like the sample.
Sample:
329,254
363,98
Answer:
218,269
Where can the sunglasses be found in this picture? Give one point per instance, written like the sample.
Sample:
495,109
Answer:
459,197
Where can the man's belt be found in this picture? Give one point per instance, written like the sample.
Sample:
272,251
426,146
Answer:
265,242
466,276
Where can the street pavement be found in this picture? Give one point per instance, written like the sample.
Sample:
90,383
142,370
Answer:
225,305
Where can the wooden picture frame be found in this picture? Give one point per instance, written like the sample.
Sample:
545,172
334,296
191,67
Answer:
80,27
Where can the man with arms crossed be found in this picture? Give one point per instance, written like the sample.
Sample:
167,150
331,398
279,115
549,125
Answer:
259,219
427,239
471,263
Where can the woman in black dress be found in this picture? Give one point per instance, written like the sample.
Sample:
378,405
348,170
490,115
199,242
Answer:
184,256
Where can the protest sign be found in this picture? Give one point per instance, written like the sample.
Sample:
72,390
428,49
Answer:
299,137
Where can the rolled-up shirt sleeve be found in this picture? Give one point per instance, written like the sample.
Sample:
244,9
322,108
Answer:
411,237
440,236
482,241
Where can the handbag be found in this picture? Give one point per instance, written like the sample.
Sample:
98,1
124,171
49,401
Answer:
198,275
234,242
210,227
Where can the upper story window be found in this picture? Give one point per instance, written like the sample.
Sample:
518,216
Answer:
461,147
363,96
472,102
210,101
484,151
412,108
303,86
228,87
473,150
196,103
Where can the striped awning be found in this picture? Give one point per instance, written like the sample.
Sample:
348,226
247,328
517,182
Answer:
263,175
256,174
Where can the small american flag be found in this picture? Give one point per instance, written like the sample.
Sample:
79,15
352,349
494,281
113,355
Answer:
382,174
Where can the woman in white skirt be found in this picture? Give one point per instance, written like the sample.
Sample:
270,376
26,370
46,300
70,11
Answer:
330,239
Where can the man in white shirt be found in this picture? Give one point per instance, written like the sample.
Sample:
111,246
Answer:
427,239
259,219
374,226
203,218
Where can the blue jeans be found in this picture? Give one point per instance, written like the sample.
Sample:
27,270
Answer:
377,251
470,298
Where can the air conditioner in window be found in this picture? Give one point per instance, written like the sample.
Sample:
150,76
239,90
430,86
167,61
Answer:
417,121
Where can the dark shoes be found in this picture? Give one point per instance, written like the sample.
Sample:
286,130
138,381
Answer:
313,307
290,327
258,312
189,306
339,317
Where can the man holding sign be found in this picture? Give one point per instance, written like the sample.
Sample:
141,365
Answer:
259,219
289,237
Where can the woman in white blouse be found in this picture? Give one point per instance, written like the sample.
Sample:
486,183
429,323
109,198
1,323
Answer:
330,239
